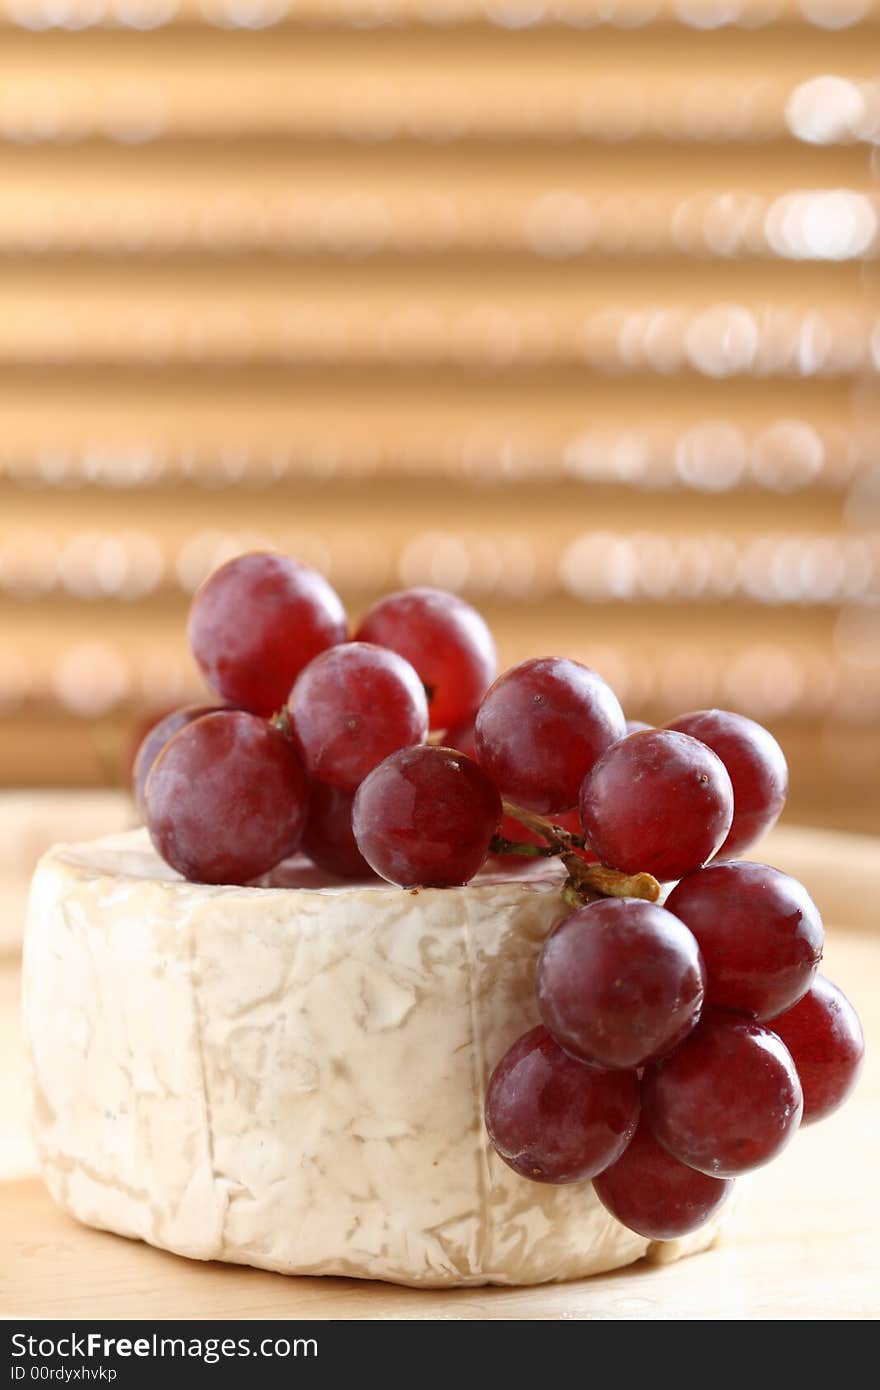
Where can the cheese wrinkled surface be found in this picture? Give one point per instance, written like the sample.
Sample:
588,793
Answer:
293,1077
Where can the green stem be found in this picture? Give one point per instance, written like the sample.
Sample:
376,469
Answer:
501,845
559,840
585,882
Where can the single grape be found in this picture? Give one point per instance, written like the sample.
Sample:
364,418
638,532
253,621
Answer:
757,768
425,816
658,801
226,799
154,741
824,1036
540,729
256,622
351,707
759,931
620,983
445,639
727,1100
637,726
656,1196
328,839
553,1119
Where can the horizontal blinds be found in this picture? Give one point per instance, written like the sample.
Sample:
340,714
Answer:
568,306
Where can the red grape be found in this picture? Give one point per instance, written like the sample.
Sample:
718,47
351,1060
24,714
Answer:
351,707
727,1100
637,726
760,933
553,1119
542,726
656,1196
425,816
823,1034
757,769
620,983
462,737
445,639
656,801
154,741
328,839
227,798
256,622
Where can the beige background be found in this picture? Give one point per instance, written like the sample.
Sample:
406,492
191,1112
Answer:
576,317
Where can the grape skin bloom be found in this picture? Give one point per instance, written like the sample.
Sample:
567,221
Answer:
353,706
154,741
445,640
256,622
657,801
553,1119
759,931
329,834
654,1194
756,766
425,818
727,1100
540,729
824,1036
620,983
227,799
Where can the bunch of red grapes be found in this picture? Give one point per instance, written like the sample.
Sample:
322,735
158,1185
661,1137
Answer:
681,1045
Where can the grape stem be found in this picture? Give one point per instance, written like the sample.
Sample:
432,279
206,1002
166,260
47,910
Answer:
558,840
281,722
501,845
585,882
591,881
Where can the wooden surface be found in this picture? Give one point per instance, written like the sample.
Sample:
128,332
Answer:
804,1244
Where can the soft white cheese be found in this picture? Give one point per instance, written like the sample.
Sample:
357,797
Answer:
294,1077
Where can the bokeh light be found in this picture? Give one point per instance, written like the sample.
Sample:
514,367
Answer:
579,323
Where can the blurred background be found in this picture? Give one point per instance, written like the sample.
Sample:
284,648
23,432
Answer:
568,305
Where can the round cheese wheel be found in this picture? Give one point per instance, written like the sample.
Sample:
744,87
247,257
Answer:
293,1077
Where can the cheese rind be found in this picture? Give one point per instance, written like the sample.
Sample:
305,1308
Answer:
293,1078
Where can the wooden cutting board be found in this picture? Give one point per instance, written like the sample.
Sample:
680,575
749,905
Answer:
803,1245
